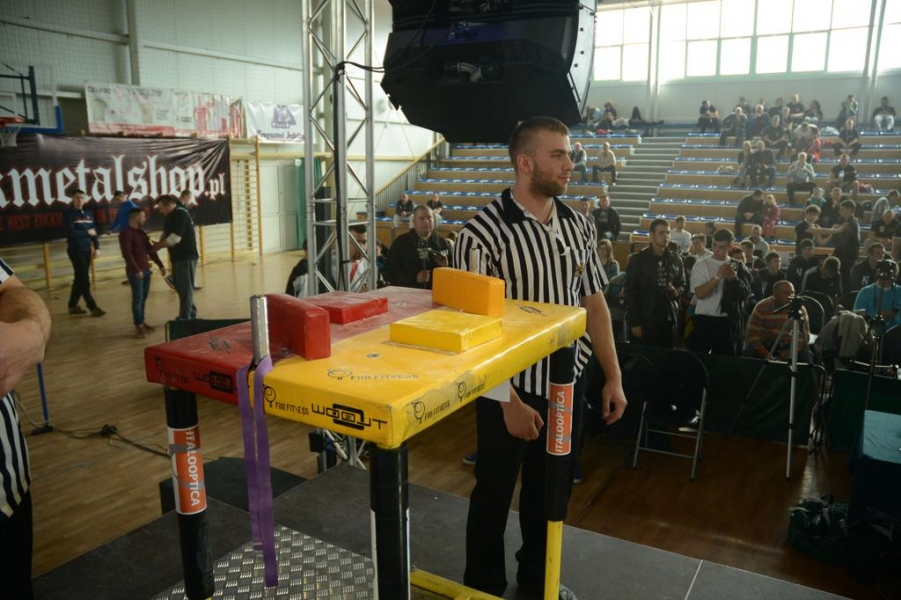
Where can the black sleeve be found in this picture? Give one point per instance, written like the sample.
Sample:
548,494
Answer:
615,224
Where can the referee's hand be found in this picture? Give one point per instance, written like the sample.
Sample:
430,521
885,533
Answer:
522,420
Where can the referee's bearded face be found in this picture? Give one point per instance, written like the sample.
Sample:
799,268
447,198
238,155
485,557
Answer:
551,165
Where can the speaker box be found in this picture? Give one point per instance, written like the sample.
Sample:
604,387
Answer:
471,75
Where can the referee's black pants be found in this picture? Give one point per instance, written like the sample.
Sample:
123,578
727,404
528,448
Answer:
16,542
81,285
500,456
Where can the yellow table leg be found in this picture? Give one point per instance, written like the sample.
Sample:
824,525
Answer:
552,567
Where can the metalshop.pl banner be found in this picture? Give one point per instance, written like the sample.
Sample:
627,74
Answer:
38,176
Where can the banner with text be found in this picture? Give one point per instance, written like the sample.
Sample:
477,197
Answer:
120,108
39,175
274,122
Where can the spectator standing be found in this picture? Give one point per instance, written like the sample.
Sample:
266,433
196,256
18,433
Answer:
122,213
606,219
180,240
82,246
655,281
679,235
698,248
771,274
846,238
24,331
884,116
414,255
811,214
750,210
606,163
801,176
137,252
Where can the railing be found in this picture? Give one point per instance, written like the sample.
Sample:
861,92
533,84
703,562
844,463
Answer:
406,179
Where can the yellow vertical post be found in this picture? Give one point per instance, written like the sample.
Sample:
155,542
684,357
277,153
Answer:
48,271
259,198
553,554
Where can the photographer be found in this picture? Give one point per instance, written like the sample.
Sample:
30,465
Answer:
882,298
767,323
414,254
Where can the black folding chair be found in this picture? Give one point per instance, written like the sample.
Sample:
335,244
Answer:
847,300
815,313
825,301
891,346
676,397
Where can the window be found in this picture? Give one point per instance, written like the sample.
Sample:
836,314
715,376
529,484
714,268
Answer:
809,52
848,49
889,57
622,39
773,16
701,59
811,15
737,18
735,56
772,54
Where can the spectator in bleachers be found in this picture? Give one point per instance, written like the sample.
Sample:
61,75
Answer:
709,119
786,119
771,274
586,205
744,164
882,294
757,122
579,158
749,255
744,106
734,125
802,262
801,176
848,139
750,210
776,109
605,254
811,214
800,137
816,198
843,176
698,248
767,331
847,112
679,235
763,163
814,113
606,219
824,279
796,109
761,247
864,272
885,230
606,163
814,146
846,238
884,116
721,286
434,202
403,210
709,230
829,211
771,215
888,202
775,137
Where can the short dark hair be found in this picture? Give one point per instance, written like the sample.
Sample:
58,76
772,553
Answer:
808,243
772,256
185,193
874,247
166,199
832,263
710,224
358,228
699,236
723,235
680,219
813,208
848,204
894,193
524,133
78,191
118,193
757,192
657,223
132,212
747,244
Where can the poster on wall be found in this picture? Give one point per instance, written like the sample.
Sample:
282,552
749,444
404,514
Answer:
39,175
274,122
118,108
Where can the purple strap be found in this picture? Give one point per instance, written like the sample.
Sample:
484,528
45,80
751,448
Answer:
256,462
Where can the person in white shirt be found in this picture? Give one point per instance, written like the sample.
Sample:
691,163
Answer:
679,235
698,247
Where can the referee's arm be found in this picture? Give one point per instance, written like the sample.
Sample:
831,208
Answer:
600,330
24,331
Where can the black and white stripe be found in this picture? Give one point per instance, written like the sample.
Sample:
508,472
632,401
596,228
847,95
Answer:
555,263
15,476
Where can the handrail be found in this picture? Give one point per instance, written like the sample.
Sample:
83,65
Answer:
407,177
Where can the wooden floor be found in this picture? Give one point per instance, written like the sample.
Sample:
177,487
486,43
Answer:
89,489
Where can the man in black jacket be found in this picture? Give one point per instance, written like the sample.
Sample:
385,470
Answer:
415,254
750,210
179,239
606,219
655,281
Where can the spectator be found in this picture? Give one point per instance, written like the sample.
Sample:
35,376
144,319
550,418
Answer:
787,122
579,158
757,122
800,138
721,286
24,331
679,235
744,106
846,238
180,240
82,246
811,214
815,146
605,254
883,294
824,279
357,264
709,230
771,215
771,274
403,210
775,137
796,109
761,247
709,119
655,282
843,176
606,219
122,214
801,176
750,210
802,262
814,113
606,163
888,202
414,255
864,272
586,205
137,252
847,112
698,248
768,335
829,212
434,202
885,230
884,116
848,139
776,109
609,115
744,164
298,279
763,163
816,198
749,256
734,125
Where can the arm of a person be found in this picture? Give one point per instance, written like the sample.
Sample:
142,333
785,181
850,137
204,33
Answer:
703,286
600,330
126,244
755,338
73,231
145,239
24,331
679,281
631,293
616,224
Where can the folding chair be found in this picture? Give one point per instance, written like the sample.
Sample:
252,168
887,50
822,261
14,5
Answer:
676,397
891,346
815,313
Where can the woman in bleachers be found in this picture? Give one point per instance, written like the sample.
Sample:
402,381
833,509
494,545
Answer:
814,113
814,146
771,214
605,253
744,164
801,176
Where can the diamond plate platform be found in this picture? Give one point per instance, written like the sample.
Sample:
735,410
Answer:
308,569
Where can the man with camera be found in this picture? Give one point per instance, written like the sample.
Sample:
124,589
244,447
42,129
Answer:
882,298
767,328
416,253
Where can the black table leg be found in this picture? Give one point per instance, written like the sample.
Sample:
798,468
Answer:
390,503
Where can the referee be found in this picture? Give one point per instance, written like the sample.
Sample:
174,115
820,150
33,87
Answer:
24,330
545,252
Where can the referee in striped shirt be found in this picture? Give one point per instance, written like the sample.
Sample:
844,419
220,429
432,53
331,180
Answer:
24,330
545,252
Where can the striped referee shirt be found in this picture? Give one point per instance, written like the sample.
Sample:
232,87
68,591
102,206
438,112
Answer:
15,475
554,263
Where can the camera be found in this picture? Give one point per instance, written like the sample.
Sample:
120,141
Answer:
886,269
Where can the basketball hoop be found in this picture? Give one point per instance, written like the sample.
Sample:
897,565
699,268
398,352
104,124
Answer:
9,129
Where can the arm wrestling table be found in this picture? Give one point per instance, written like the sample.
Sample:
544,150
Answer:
368,388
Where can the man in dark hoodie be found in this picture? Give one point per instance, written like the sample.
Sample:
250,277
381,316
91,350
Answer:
82,246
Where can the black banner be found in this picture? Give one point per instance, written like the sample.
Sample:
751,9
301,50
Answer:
38,176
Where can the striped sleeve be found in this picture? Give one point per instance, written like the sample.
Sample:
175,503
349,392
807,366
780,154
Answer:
5,271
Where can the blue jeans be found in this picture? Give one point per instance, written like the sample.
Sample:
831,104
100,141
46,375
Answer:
183,278
140,287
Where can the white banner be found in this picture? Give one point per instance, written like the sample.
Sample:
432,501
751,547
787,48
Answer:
274,122
119,108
